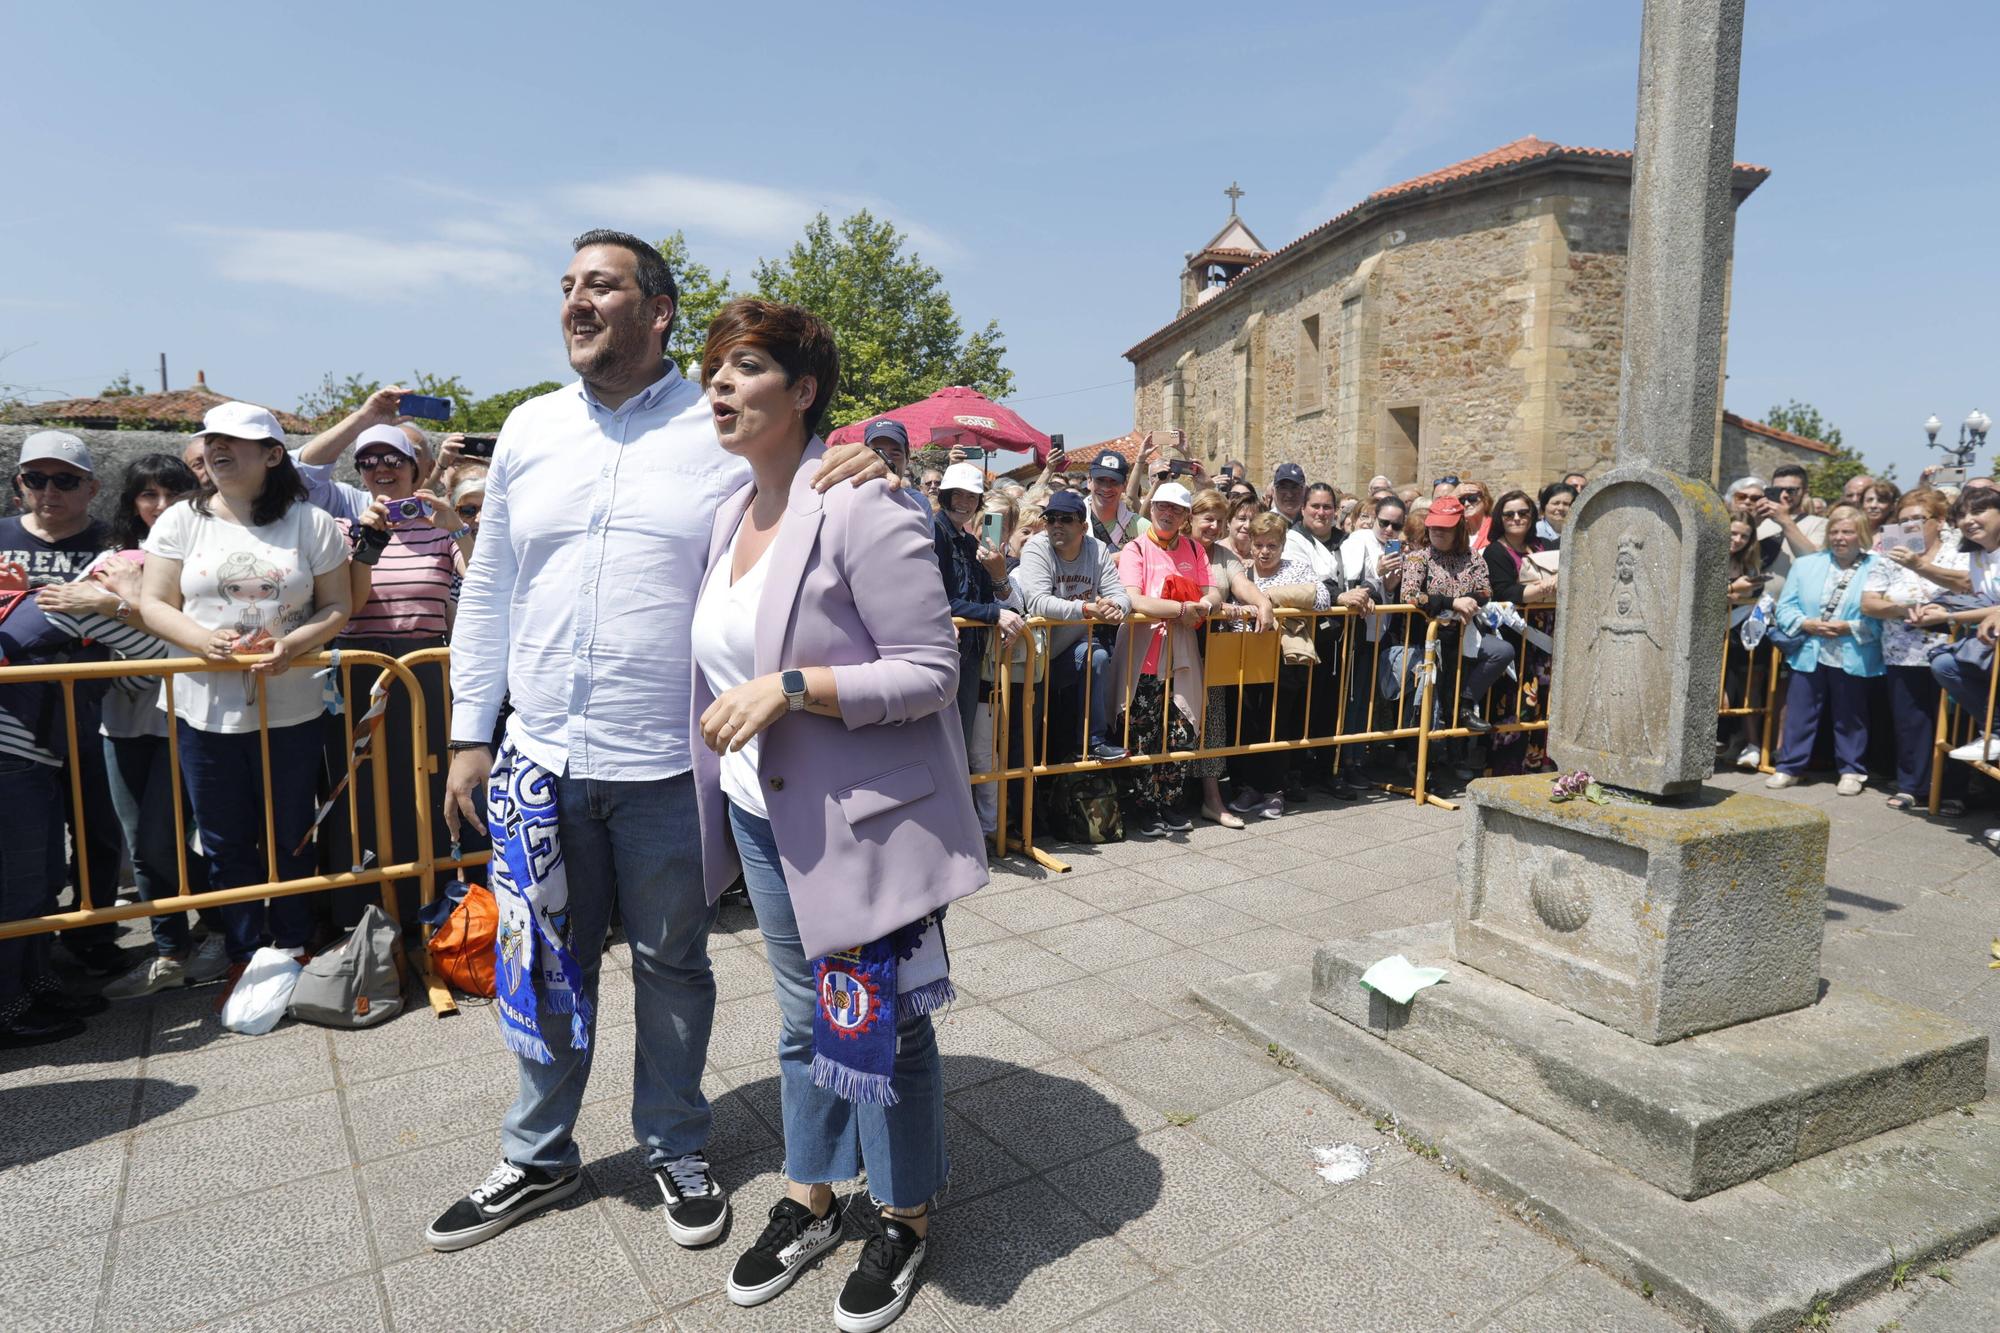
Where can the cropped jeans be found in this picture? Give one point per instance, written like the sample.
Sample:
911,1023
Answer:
637,844
828,1138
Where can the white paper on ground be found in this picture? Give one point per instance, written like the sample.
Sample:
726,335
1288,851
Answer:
1338,1163
1396,978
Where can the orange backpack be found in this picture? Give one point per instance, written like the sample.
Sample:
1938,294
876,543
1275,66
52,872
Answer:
462,948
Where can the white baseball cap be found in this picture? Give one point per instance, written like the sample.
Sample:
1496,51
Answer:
389,435
241,421
964,477
56,446
1172,493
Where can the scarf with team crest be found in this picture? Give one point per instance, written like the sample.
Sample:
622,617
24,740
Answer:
534,967
854,1025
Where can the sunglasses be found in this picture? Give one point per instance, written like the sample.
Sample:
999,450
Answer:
1445,481
373,461
470,513
62,481
1786,490
1055,519
1388,522
1515,513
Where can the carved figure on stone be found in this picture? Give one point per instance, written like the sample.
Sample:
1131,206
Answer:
1618,717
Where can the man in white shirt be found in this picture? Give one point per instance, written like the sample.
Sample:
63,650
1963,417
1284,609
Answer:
576,607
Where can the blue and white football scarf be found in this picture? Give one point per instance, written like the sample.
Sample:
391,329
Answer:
534,967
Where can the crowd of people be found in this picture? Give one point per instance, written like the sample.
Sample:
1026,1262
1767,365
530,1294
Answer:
692,646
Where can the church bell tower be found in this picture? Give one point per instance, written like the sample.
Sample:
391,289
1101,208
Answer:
1227,254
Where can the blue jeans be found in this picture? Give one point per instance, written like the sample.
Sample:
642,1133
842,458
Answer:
829,1138
142,790
224,779
1823,690
1913,704
1066,679
637,844
31,868
1966,684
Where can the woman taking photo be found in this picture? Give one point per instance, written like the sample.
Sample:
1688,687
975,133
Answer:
248,567
135,738
826,673
1912,625
1838,651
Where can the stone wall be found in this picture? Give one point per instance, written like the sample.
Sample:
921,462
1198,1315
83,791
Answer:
1752,453
1487,322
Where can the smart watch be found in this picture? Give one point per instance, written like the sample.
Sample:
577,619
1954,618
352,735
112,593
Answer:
793,683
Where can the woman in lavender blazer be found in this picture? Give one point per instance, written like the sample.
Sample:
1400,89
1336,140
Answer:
826,670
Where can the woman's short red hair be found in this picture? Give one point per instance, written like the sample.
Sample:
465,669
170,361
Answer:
797,339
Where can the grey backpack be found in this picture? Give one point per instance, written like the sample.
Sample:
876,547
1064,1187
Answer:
354,985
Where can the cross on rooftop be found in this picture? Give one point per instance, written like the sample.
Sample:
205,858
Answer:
1234,192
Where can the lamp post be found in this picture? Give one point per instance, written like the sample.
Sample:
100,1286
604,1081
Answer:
1971,438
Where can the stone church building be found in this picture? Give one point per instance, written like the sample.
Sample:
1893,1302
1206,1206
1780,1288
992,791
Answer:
1467,321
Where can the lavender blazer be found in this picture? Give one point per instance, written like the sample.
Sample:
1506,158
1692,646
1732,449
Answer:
871,810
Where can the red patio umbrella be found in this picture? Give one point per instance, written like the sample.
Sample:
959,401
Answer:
957,408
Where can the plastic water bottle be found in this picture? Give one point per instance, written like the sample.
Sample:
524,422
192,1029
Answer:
1758,621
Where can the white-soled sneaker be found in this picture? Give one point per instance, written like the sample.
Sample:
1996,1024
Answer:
1780,781
792,1239
1748,757
209,960
508,1194
1851,784
156,974
1977,749
879,1288
697,1207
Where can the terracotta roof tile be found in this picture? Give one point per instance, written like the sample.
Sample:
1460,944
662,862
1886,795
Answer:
180,409
1507,155
1773,433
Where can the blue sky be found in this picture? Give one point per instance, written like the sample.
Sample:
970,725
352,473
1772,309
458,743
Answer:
269,192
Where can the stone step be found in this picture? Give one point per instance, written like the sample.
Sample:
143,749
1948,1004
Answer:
1755,1258
1692,1116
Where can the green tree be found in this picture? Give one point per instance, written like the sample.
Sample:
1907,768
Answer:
1825,480
122,387
702,295
900,340
488,414
335,398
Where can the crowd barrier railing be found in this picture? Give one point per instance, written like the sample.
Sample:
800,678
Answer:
368,763
1386,666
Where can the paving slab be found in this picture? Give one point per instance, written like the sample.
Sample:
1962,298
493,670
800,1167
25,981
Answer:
1693,1116
1757,1257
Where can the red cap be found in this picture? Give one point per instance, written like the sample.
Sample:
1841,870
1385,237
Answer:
1446,512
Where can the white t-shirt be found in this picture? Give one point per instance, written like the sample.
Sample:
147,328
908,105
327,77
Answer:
1984,566
248,580
724,635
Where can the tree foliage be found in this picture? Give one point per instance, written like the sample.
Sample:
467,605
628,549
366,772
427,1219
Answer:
1827,479
900,339
335,398
702,295
122,387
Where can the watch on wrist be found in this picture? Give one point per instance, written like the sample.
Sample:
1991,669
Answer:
124,610
793,683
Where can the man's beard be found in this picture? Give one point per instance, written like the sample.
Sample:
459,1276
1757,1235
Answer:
613,353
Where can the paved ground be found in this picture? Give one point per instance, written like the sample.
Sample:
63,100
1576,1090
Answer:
1121,1161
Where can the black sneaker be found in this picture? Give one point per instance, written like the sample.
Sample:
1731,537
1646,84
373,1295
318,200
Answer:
879,1287
508,1194
1174,821
1149,826
697,1208
792,1239
1104,752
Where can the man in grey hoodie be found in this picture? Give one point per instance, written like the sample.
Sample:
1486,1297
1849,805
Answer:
1067,574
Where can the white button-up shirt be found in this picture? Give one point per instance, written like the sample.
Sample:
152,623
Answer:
581,590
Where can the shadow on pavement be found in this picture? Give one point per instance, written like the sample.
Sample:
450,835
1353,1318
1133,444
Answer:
44,1119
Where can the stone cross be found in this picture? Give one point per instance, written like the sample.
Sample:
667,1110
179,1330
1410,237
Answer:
1234,194
1641,612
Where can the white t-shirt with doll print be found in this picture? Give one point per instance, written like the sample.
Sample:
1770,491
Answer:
257,582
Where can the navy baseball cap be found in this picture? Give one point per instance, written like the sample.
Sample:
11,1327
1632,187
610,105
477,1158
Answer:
1064,502
1110,464
886,430
1288,472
